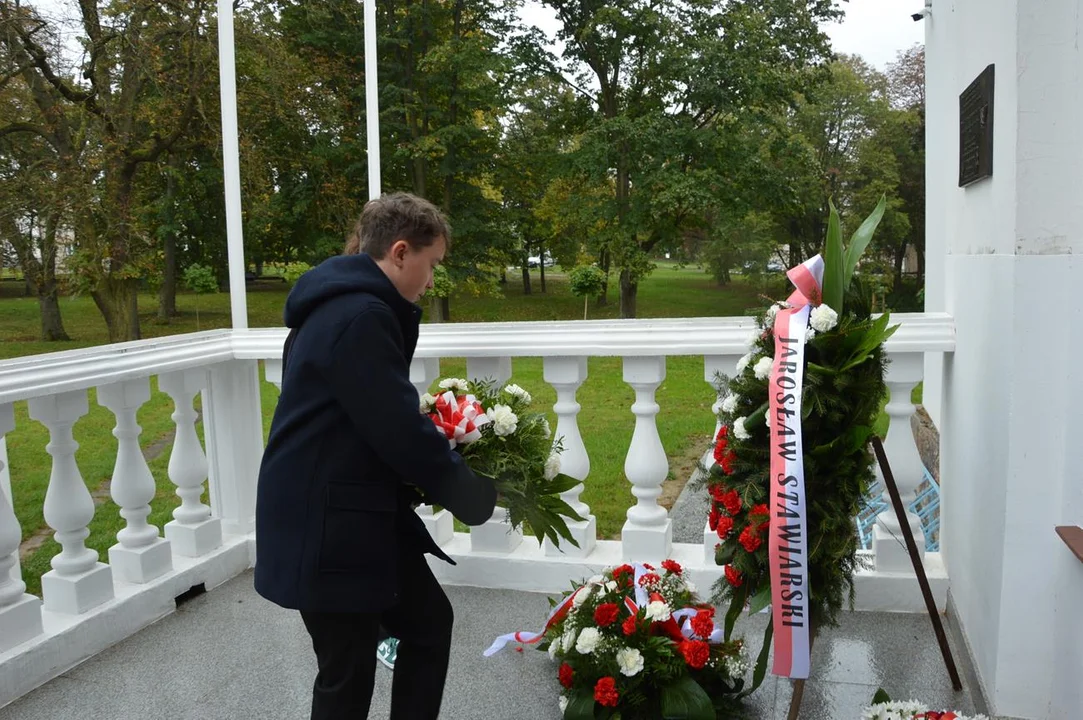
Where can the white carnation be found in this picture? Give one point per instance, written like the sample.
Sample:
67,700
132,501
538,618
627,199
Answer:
769,318
552,466
504,420
568,641
763,368
810,333
427,403
823,318
717,407
516,391
657,611
581,596
553,647
456,385
563,702
743,362
729,404
630,661
588,640
739,431
545,428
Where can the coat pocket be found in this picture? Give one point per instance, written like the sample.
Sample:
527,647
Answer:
358,518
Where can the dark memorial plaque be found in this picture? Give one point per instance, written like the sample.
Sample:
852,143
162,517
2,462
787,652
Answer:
976,129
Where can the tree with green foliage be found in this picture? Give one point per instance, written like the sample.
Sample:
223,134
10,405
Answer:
586,281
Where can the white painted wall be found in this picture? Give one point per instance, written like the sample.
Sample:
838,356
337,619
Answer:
1002,260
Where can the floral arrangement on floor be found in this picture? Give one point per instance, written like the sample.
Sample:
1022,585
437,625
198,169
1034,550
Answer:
634,643
500,436
840,400
884,708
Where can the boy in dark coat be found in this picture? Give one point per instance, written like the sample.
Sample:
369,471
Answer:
336,534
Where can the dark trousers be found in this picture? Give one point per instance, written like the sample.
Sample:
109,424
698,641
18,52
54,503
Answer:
345,645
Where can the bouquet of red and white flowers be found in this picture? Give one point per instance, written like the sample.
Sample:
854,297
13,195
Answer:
501,437
884,708
634,643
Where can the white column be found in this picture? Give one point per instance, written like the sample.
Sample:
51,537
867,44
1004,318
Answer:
566,374
20,613
77,582
272,371
496,534
140,554
233,428
231,162
888,543
192,530
713,366
648,531
438,521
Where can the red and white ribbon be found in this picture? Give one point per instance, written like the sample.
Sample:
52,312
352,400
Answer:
788,539
459,418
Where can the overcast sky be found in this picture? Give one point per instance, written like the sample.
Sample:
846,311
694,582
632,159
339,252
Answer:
874,29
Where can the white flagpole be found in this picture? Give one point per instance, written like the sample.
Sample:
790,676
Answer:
372,100
227,74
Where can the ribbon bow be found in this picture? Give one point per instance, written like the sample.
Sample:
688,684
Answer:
808,278
459,418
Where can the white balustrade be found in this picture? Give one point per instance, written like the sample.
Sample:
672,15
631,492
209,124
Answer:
648,531
438,521
566,374
233,429
20,613
272,372
192,531
77,582
495,534
904,373
140,554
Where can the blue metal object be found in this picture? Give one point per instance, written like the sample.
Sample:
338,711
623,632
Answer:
926,506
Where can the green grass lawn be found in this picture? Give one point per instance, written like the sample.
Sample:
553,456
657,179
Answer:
606,419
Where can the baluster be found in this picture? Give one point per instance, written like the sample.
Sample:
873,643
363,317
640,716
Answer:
496,534
566,374
904,373
140,554
272,372
20,613
438,521
193,532
648,531
713,366
233,428
77,581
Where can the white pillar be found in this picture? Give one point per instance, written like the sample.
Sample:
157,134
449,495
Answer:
566,374
20,613
1011,415
231,161
888,543
192,530
496,534
647,535
140,554
77,582
438,521
233,428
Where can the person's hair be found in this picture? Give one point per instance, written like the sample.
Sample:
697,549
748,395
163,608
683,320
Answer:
394,217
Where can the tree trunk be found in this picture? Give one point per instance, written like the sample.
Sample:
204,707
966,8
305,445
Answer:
541,266
118,302
439,309
900,257
52,324
167,293
526,278
628,291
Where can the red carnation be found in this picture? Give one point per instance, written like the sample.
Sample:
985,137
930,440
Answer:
712,518
629,625
619,574
703,623
565,674
726,462
672,565
725,525
750,539
732,502
696,653
605,692
606,614
733,576
649,579
760,509
717,493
